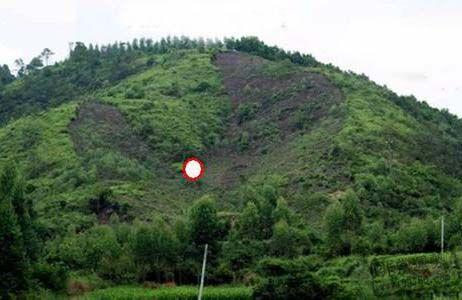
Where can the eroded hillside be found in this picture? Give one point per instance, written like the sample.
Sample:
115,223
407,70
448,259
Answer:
274,105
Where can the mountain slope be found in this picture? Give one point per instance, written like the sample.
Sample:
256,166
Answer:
318,129
311,172
313,131
163,118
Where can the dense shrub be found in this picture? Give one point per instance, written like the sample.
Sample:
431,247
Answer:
284,279
50,276
135,92
246,111
416,275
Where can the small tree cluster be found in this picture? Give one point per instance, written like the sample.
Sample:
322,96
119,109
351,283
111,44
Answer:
18,240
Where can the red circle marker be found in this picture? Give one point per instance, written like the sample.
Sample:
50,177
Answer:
193,169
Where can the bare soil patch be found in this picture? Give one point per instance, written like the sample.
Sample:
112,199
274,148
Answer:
283,102
100,126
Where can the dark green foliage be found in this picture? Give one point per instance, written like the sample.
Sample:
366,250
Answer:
454,226
101,201
343,221
12,257
202,87
417,235
246,111
85,70
18,240
155,250
266,226
203,222
35,64
294,279
249,223
171,89
288,241
334,221
254,46
50,276
5,75
412,236
134,92
352,212
304,116
239,255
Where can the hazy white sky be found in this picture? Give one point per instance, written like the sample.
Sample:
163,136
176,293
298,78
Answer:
412,46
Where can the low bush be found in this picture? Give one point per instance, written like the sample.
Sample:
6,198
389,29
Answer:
50,276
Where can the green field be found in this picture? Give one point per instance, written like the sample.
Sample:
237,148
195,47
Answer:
167,293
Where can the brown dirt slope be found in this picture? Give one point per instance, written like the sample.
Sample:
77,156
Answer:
101,127
273,102
110,126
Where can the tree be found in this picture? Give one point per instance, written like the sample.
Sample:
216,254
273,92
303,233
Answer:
412,237
282,212
79,53
289,279
5,75
12,254
12,187
352,212
204,222
103,204
238,254
249,223
20,67
333,223
284,240
266,205
100,242
343,223
155,248
35,64
375,232
135,44
46,54
13,259
289,241
187,266
205,228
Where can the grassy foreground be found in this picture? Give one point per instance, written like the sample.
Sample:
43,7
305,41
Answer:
165,293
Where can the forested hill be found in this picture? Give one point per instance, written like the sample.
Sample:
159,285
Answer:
302,159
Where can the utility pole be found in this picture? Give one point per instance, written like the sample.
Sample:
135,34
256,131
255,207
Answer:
201,288
442,234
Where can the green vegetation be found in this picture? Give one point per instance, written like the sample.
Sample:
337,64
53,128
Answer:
416,275
319,184
166,293
17,233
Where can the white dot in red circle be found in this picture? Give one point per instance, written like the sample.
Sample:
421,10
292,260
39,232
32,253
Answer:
193,169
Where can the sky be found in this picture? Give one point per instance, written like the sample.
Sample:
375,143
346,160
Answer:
412,46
